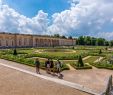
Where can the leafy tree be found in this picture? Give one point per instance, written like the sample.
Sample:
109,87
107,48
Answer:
80,62
106,43
100,41
56,35
81,40
111,43
93,41
70,37
87,40
63,37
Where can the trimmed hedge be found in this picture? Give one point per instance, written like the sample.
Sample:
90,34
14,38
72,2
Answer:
103,65
25,61
79,68
66,57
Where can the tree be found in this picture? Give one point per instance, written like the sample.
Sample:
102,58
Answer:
80,62
56,35
100,41
70,37
111,43
87,40
93,41
81,40
106,43
63,37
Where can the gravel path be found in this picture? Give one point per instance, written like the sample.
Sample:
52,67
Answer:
86,57
70,67
98,60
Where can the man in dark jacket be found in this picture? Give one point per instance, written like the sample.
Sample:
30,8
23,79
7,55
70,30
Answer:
37,64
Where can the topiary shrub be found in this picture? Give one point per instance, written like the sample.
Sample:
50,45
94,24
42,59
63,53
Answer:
15,52
100,51
80,62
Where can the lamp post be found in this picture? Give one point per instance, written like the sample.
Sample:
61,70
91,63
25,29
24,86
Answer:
15,40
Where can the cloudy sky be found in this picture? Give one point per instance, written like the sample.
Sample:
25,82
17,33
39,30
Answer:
65,17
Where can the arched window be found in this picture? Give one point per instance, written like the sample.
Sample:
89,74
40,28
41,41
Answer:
25,41
0,43
20,42
12,43
6,43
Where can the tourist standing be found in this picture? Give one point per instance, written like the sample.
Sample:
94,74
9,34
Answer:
37,64
52,65
47,65
58,67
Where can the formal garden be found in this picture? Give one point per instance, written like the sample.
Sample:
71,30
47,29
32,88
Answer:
79,57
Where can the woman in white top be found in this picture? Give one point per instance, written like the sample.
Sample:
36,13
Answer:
58,67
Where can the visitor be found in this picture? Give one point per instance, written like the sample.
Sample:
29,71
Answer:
37,64
47,65
52,66
58,67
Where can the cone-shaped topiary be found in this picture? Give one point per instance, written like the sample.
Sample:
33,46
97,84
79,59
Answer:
15,52
80,62
100,51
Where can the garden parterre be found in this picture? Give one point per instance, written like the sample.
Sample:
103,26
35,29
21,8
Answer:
66,55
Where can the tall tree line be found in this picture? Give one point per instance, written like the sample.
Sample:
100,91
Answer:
87,40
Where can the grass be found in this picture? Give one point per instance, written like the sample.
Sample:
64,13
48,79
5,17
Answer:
65,54
91,59
58,55
25,61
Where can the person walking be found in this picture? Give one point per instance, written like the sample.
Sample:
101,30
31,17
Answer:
47,65
37,64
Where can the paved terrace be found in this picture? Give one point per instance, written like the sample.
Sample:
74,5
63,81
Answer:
94,79
16,82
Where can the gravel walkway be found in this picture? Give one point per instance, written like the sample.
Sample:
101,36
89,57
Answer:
98,60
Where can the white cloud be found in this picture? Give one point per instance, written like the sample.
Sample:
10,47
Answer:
12,21
86,17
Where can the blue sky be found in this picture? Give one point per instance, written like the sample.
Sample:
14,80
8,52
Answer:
65,17
30,8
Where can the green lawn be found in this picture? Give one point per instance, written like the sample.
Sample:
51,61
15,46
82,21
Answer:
91,59
67,55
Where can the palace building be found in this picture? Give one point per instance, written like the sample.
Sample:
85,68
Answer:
9,40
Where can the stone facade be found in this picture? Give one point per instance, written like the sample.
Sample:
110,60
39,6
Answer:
8,40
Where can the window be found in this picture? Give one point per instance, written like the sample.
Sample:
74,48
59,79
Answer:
12,43
20,42
0,43
6,43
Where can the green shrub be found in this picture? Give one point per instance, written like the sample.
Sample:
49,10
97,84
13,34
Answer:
15,52
103,65
100,51
80,62
74,65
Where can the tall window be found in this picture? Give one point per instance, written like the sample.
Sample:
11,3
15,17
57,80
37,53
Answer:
0,43
20,42
12,43
6,43
25,42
